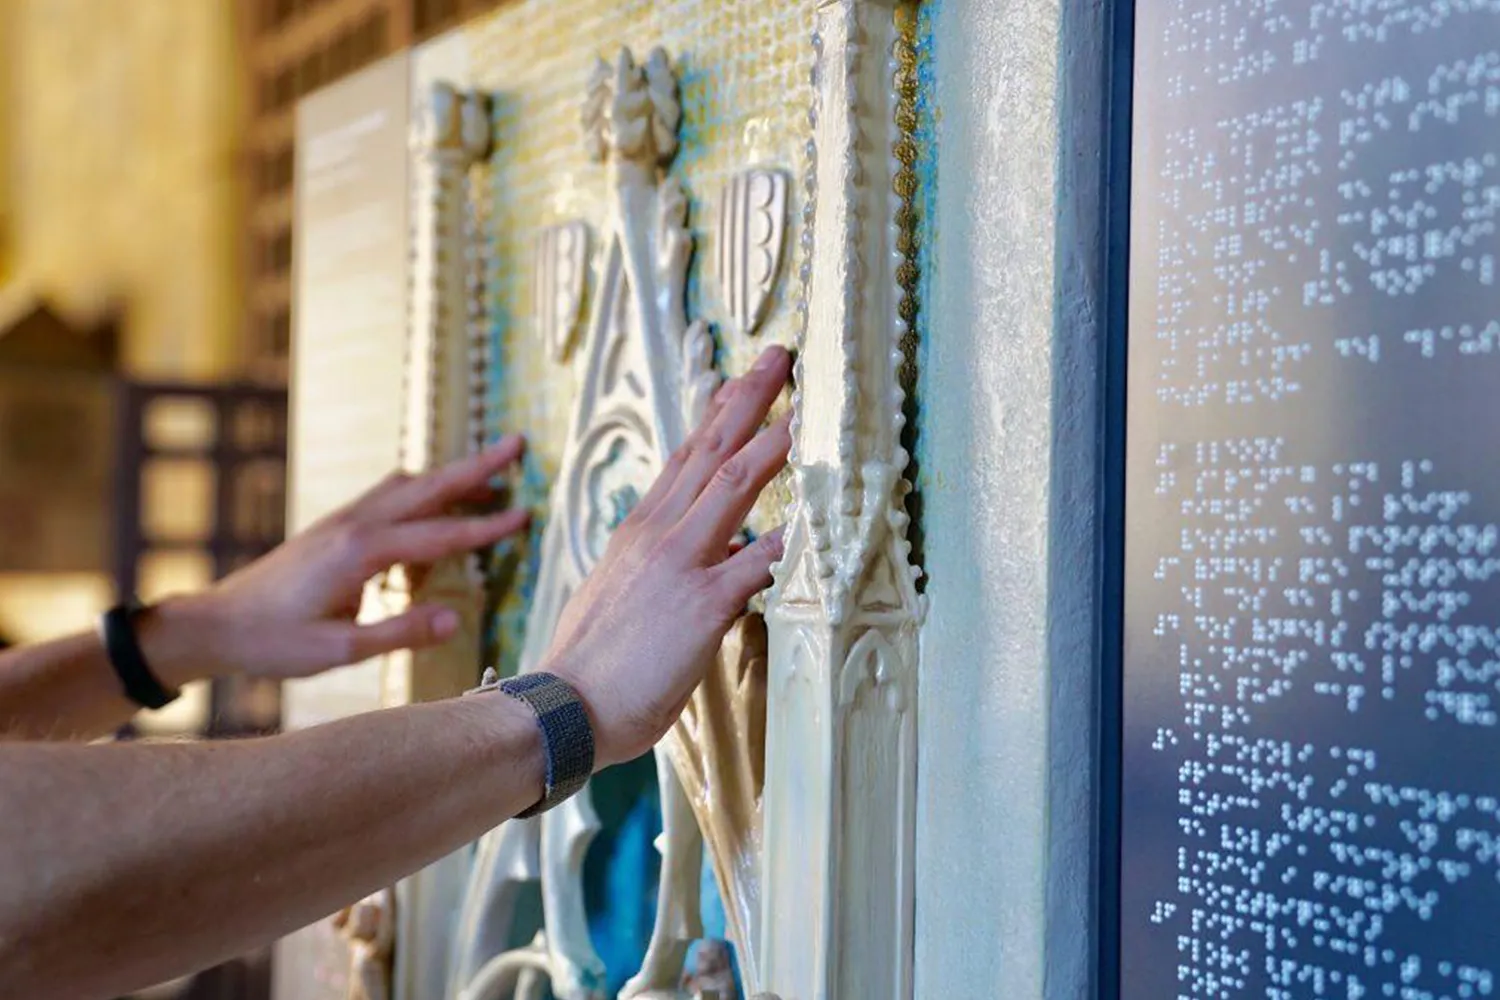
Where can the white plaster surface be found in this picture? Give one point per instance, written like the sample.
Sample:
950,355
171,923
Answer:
1004,821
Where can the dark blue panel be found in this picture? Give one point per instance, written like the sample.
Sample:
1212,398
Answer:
1311,667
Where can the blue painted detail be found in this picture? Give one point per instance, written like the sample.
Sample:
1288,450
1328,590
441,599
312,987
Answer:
621,869
622,501
510,621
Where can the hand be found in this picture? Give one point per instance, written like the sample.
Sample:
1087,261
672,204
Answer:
640,633
292,612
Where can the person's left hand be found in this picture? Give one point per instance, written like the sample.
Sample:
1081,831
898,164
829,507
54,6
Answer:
292,612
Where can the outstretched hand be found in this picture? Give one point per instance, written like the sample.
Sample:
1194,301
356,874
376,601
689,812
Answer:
292,613
642,630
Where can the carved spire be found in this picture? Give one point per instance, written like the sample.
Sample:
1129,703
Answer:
842,617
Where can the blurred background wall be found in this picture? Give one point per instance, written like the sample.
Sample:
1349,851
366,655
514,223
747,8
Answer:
122,127
120,200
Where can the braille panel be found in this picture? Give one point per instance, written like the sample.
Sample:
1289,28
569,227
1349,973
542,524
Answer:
1312,636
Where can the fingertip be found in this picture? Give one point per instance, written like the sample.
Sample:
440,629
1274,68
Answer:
508,449
508,522
443,624
774,541
772,357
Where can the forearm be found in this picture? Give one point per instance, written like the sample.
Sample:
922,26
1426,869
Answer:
128,865
67,689
60,690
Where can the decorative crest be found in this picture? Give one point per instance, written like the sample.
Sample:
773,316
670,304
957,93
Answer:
560,267
752,229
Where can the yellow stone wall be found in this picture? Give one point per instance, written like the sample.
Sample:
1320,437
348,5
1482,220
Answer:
120,129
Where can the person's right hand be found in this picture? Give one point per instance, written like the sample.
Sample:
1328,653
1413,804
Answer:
642,630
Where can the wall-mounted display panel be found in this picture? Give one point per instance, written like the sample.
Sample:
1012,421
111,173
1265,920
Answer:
1311,710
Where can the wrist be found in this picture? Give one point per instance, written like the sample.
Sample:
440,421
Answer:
176,639
606,751
511,738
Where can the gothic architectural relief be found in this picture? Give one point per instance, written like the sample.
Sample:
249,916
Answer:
646,377
794,764
843,615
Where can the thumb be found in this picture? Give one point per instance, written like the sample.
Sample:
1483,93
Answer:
415,628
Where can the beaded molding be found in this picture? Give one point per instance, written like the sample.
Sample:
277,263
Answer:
448,310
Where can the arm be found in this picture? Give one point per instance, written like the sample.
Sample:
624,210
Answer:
288,615
128,864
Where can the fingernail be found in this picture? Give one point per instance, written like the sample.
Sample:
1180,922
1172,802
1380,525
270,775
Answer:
508,442
768,358
445,623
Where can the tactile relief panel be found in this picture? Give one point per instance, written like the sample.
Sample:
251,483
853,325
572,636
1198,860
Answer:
744,67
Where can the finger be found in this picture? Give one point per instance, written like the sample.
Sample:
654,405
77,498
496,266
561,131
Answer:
485,498
356,509
735,424
415,628
748,572
723,505
669,473
434,492
425,542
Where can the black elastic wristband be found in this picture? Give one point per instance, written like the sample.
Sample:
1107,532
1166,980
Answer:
124,652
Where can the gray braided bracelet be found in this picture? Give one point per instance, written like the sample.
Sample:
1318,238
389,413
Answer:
567,736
